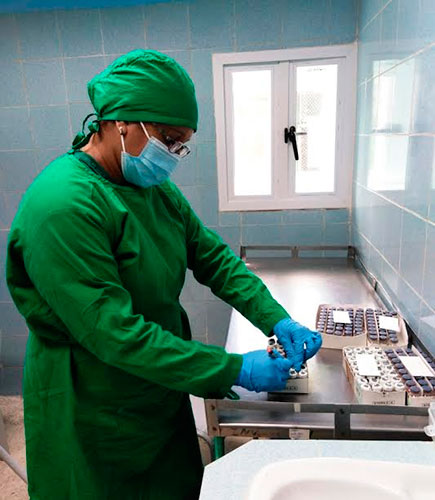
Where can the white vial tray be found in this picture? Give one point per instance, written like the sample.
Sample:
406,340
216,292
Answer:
356,326
373,376
297,383
385,328
416,374
341,325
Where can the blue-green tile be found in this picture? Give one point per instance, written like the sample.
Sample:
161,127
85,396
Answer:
17,170
9,37
231,236
409,304
211,23
80,32
337,234
303,216
426,330
14,129
166,26
38,35
123,29
206,122
343,21
44,157
305,20
208,205
50,127
338,215
269,217
412,250
429,268
202,73
45,82
185,173
367,10
12,323
12,84
229,218
258,22
13,350
9,201
78,72
78,111
423,116
421,155
206,169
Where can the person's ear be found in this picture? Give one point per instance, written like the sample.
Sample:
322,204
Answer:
122,127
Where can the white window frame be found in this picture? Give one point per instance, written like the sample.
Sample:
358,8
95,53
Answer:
282,62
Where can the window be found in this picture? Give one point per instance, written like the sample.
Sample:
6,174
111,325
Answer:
285,128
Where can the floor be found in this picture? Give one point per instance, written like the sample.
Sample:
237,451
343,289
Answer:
13,488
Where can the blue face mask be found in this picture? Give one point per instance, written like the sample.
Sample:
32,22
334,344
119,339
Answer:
153,166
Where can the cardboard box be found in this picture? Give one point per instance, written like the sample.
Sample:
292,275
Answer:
297,386
394,398
402,334
331,341
420,401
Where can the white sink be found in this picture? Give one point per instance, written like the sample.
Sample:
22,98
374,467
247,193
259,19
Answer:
342,479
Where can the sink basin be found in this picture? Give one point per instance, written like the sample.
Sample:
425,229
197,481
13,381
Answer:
342,479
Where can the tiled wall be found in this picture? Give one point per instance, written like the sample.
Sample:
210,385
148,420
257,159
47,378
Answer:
46,60
393,222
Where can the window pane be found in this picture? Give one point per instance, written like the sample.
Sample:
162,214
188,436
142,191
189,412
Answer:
252,98
316,115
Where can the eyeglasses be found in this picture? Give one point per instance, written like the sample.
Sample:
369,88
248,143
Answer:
173,146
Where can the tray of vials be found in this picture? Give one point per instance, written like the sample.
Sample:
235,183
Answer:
385,328
373,377
357,326
341,326
416,374
297,382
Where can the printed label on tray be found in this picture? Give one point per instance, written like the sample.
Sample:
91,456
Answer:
416,366
367,366
387,323
341,317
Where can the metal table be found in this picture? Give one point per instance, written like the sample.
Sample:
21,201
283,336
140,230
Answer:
330,409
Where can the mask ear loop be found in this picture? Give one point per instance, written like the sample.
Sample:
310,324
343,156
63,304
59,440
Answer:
145,130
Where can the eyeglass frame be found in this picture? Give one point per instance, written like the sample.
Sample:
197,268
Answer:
176,147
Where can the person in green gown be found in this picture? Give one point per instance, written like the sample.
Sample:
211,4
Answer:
97,257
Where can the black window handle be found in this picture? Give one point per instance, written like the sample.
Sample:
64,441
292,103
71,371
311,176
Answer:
290,135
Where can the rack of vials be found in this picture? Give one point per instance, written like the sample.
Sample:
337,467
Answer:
357,326
390,376
297,382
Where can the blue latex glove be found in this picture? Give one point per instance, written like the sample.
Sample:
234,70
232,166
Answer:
299,342
261,372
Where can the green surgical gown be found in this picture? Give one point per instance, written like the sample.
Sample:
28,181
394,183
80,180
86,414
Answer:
97,268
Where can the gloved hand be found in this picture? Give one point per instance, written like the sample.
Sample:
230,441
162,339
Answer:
299,342
261,372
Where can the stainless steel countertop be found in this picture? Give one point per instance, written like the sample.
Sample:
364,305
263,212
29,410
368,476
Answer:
300,285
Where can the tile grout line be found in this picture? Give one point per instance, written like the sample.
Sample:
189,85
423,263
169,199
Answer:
62,61
422,299
375,16
415,214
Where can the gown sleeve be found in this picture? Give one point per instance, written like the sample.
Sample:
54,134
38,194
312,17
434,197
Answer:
215,265
70,261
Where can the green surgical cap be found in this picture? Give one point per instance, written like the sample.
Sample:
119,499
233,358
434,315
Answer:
147,86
